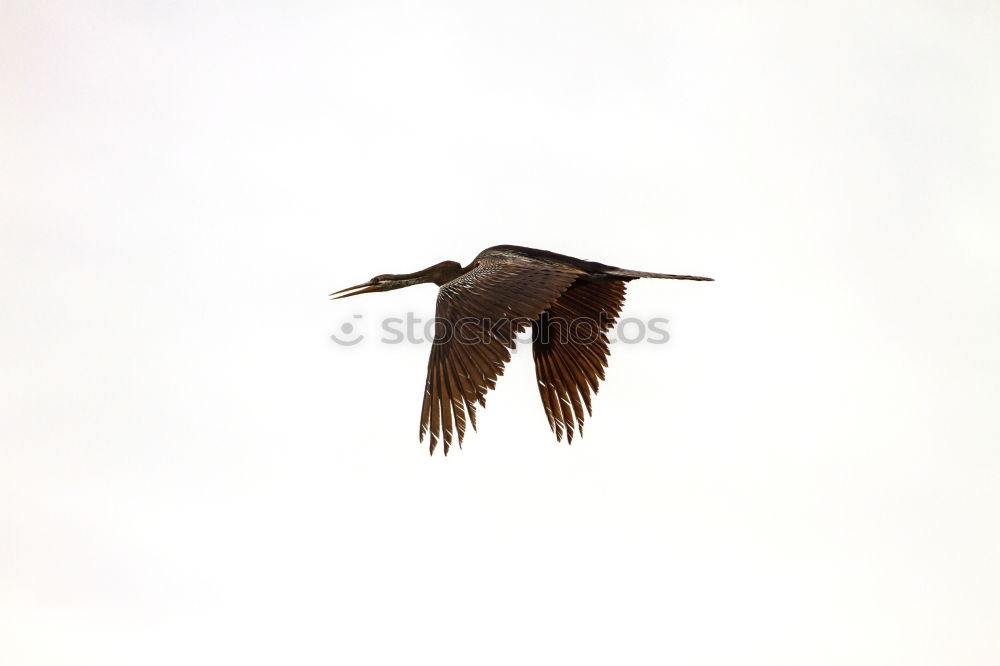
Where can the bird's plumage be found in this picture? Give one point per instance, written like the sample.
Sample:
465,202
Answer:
570,348
570,305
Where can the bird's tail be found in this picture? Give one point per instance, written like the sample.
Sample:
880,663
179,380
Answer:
625,273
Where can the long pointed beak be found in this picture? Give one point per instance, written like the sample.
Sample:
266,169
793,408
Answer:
362,288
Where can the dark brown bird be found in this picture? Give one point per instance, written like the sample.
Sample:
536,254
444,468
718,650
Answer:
569,303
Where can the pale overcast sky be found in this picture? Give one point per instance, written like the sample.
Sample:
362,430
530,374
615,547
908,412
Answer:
193,471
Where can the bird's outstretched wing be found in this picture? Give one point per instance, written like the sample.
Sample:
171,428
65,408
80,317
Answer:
570,347
479,314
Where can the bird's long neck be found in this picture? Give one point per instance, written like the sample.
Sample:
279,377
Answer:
438,274
446,271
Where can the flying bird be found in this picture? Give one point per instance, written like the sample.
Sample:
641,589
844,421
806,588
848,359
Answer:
569,303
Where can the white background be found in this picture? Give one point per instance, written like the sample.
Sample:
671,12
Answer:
193,472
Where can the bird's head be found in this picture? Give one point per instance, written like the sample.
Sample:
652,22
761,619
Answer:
438,274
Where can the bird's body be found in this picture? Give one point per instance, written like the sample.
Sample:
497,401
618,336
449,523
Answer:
570,305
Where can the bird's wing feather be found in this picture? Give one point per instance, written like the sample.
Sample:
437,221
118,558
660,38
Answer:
479,314
570,347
